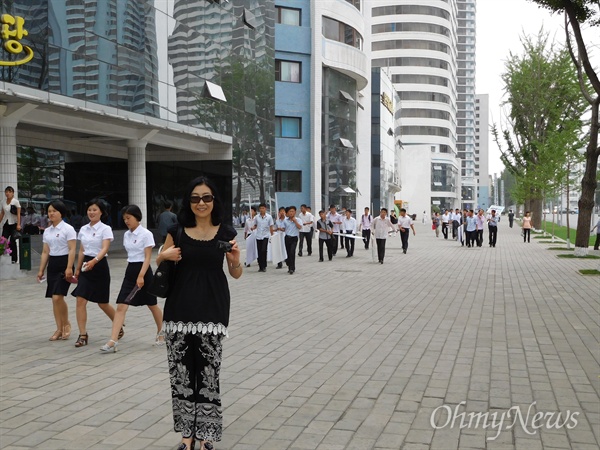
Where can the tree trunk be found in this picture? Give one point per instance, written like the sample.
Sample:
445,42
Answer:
589,184
536,205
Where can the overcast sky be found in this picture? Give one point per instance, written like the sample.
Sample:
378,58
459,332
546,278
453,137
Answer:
499,25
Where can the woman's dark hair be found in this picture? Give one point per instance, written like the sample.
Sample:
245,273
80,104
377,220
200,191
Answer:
59,206
186,217
132,210
9,189
101,204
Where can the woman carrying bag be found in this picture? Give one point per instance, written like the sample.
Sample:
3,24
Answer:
196,314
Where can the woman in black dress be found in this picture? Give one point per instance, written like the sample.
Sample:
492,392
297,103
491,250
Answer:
196,314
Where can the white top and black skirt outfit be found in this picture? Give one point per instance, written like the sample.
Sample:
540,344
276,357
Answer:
196,317
94,285
57,238
136,242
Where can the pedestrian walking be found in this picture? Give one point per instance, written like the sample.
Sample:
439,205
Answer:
349,227
264,229
280,226
196,314
445,221
166,220
481,220
527,227
336,219
492,221
292,231
138,242
380,227
365,227
435,224
58,256
307,220
11,211
92,272
511,218
405,224
471,228
325,229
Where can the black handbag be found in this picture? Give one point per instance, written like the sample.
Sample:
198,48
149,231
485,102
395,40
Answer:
163,278
13,209
16,235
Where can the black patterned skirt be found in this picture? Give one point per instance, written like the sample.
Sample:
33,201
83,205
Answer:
94,285
55,276
142,297
194,368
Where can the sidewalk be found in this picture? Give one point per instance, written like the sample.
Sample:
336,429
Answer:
347,354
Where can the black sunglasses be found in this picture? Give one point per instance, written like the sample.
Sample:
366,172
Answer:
206,198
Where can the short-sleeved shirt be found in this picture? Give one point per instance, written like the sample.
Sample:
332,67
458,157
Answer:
92,237
381,227
58,237
471,223
280,223
291,229
404,222
333,218
480,221
165,221
492,221
11,218
263,226
305,218
136,242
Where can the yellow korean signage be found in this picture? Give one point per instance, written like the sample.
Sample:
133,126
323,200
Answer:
12,31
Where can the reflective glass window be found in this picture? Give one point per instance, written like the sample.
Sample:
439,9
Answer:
288,127
289,16
288,181
289,71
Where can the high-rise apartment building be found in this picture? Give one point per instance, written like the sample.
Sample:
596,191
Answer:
482,126
465,115
418,44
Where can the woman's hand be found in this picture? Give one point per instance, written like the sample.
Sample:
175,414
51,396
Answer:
40,275
68,273
171,254
233,257
140,281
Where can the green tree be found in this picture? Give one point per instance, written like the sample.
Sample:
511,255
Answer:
578,13
543,125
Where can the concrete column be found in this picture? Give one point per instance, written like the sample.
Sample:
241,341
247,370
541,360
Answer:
136,170
8,153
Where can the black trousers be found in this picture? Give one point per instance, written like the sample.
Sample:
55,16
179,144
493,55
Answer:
341,239
493,234
445,230
366,234
404,237
291,242
350,244
7,232
479,237
526,234
380,249
597,243
510,222
261,246
305,235
471,236
454,228
328,243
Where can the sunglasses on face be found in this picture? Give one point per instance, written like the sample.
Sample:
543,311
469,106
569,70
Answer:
206,198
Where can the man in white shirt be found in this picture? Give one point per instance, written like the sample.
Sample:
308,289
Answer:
492,221
456,218
336,220
379,228
405,224
264,226
308,221
445,220
349,224
365,226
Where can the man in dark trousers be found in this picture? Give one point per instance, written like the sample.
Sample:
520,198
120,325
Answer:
511,218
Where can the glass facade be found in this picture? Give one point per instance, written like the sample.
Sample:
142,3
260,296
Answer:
156,58
338,140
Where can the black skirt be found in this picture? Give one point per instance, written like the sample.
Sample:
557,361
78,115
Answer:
94,285
57,285
142,298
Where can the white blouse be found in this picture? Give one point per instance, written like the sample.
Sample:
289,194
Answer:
58,237
11,218
92,237
135,242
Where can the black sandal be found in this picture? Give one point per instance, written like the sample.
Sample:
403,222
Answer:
82,340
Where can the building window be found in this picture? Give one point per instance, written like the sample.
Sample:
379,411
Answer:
341,32
288,127
288,181
288,16
287,71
